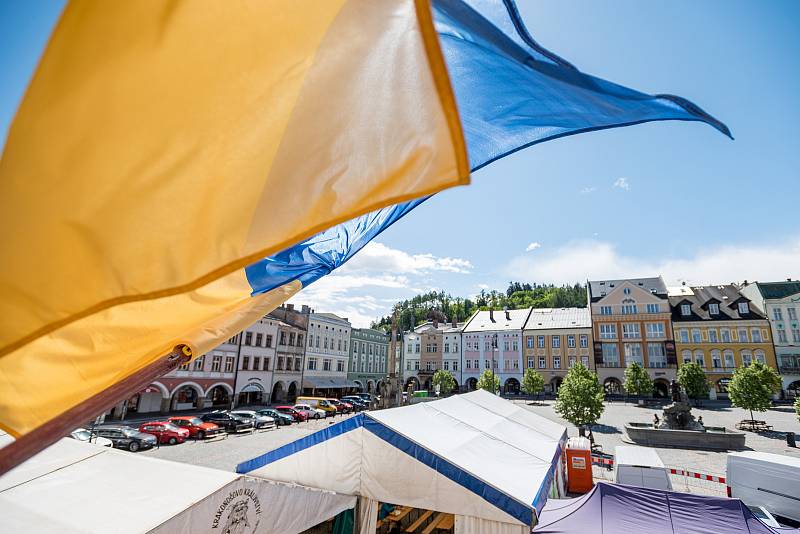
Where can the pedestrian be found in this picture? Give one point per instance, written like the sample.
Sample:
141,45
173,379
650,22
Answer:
655,420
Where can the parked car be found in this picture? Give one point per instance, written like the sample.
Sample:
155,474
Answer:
312,413
165,432
368,398
357,402
318,403
280,418
260,421
81,434
228,421
124,437
198,429
341,407
298,416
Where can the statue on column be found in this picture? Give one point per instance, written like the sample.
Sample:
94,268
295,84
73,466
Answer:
675,390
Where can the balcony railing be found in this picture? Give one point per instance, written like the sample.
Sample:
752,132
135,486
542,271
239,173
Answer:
719,369
610,364
789,369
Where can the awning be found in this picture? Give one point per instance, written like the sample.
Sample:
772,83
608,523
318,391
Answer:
252,386
324,382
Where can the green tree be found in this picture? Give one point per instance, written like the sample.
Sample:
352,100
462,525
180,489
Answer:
580,397
693,379
532,382
488,379
637,380
752,387
444,380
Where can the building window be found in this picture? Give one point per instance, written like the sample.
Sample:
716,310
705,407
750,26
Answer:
744,308
229,363
310,340
627,291
326,364
608,331
777,314
760,357
455,366
299,340
712,336
248,338
266,365
713,308
572,360
417,348
686,309
317,342
245,363
515,345
605,310
686,356
340,366
269,341
297,364
610,355
656,357
633,353
652,308
325,343
585,361
629,309
556,362
792,313
571,341
486,364
782,335
339,345
747,358
697,336
555,341
743,335
256,363
529,341
756,335
516,364
540,342
796,335
506,347
684,335
259,339
630,331
716,359
312,364
199,362
279,364
531,363
655,330
584,341
216,363
291,339
700,358
725,335
542,362
730,362
446,365
447,347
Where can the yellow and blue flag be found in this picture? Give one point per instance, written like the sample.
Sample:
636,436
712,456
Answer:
177,170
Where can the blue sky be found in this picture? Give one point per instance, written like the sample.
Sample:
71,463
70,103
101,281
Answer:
689,203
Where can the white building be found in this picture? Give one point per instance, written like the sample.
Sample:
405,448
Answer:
452,357
256,360
493,340
327,353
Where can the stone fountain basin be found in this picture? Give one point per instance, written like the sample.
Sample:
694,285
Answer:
716,438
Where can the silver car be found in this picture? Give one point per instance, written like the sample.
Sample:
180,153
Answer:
259,421
81,434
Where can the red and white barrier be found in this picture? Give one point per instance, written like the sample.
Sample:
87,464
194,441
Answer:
701,476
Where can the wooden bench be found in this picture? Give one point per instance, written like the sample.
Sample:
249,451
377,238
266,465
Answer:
403,511
448,522
433,524
421,519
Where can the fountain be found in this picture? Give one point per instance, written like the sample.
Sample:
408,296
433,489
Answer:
678,428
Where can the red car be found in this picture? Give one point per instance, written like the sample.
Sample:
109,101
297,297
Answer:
341,406
165,432
198,429
298,416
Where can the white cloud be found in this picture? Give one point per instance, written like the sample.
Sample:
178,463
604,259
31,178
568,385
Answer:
591,259
588,190
623,183
533,246
379,257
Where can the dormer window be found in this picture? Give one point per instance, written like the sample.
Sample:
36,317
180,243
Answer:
686,309
713,308
744,308
627,291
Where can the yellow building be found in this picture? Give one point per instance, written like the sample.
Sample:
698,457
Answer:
720,329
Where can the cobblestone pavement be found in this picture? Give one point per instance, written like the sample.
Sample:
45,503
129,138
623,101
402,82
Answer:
610,430
225,453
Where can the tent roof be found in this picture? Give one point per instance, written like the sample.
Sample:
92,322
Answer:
50,491
462,445
619,508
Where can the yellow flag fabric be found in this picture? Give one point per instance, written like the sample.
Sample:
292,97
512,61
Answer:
163,146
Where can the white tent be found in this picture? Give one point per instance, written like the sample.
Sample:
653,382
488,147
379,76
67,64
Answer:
80,487
487,461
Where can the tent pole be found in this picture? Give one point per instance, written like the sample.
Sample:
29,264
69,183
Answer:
48,433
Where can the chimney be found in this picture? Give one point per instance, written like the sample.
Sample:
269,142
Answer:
455,323
436,323
508,315
491,315
290,307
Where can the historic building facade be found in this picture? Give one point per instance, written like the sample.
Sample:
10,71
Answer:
631,322
780,301
720,329
555,339
254,374
327,354
493,340
369,358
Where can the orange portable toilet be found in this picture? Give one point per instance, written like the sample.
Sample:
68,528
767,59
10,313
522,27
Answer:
579,465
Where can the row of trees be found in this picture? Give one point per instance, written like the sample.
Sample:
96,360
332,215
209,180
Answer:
581,396
444,307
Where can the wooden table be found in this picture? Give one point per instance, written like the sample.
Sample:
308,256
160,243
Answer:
396,518
434,524
448,522
421,519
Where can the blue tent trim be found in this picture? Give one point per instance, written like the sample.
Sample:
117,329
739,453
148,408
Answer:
516,509
544,489
301,444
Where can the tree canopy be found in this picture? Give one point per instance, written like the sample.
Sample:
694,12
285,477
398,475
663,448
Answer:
637,380
487,379
532,382
580,397
444,380
693,379
752,387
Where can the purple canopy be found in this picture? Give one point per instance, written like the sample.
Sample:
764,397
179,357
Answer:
618,509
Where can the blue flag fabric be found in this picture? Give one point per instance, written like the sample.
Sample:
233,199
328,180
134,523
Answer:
511,94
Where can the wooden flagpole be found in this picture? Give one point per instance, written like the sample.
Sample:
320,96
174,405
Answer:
45,435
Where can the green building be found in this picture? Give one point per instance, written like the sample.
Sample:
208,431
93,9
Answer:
368,358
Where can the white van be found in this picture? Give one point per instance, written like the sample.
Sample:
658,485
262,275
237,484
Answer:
640,466
771,481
